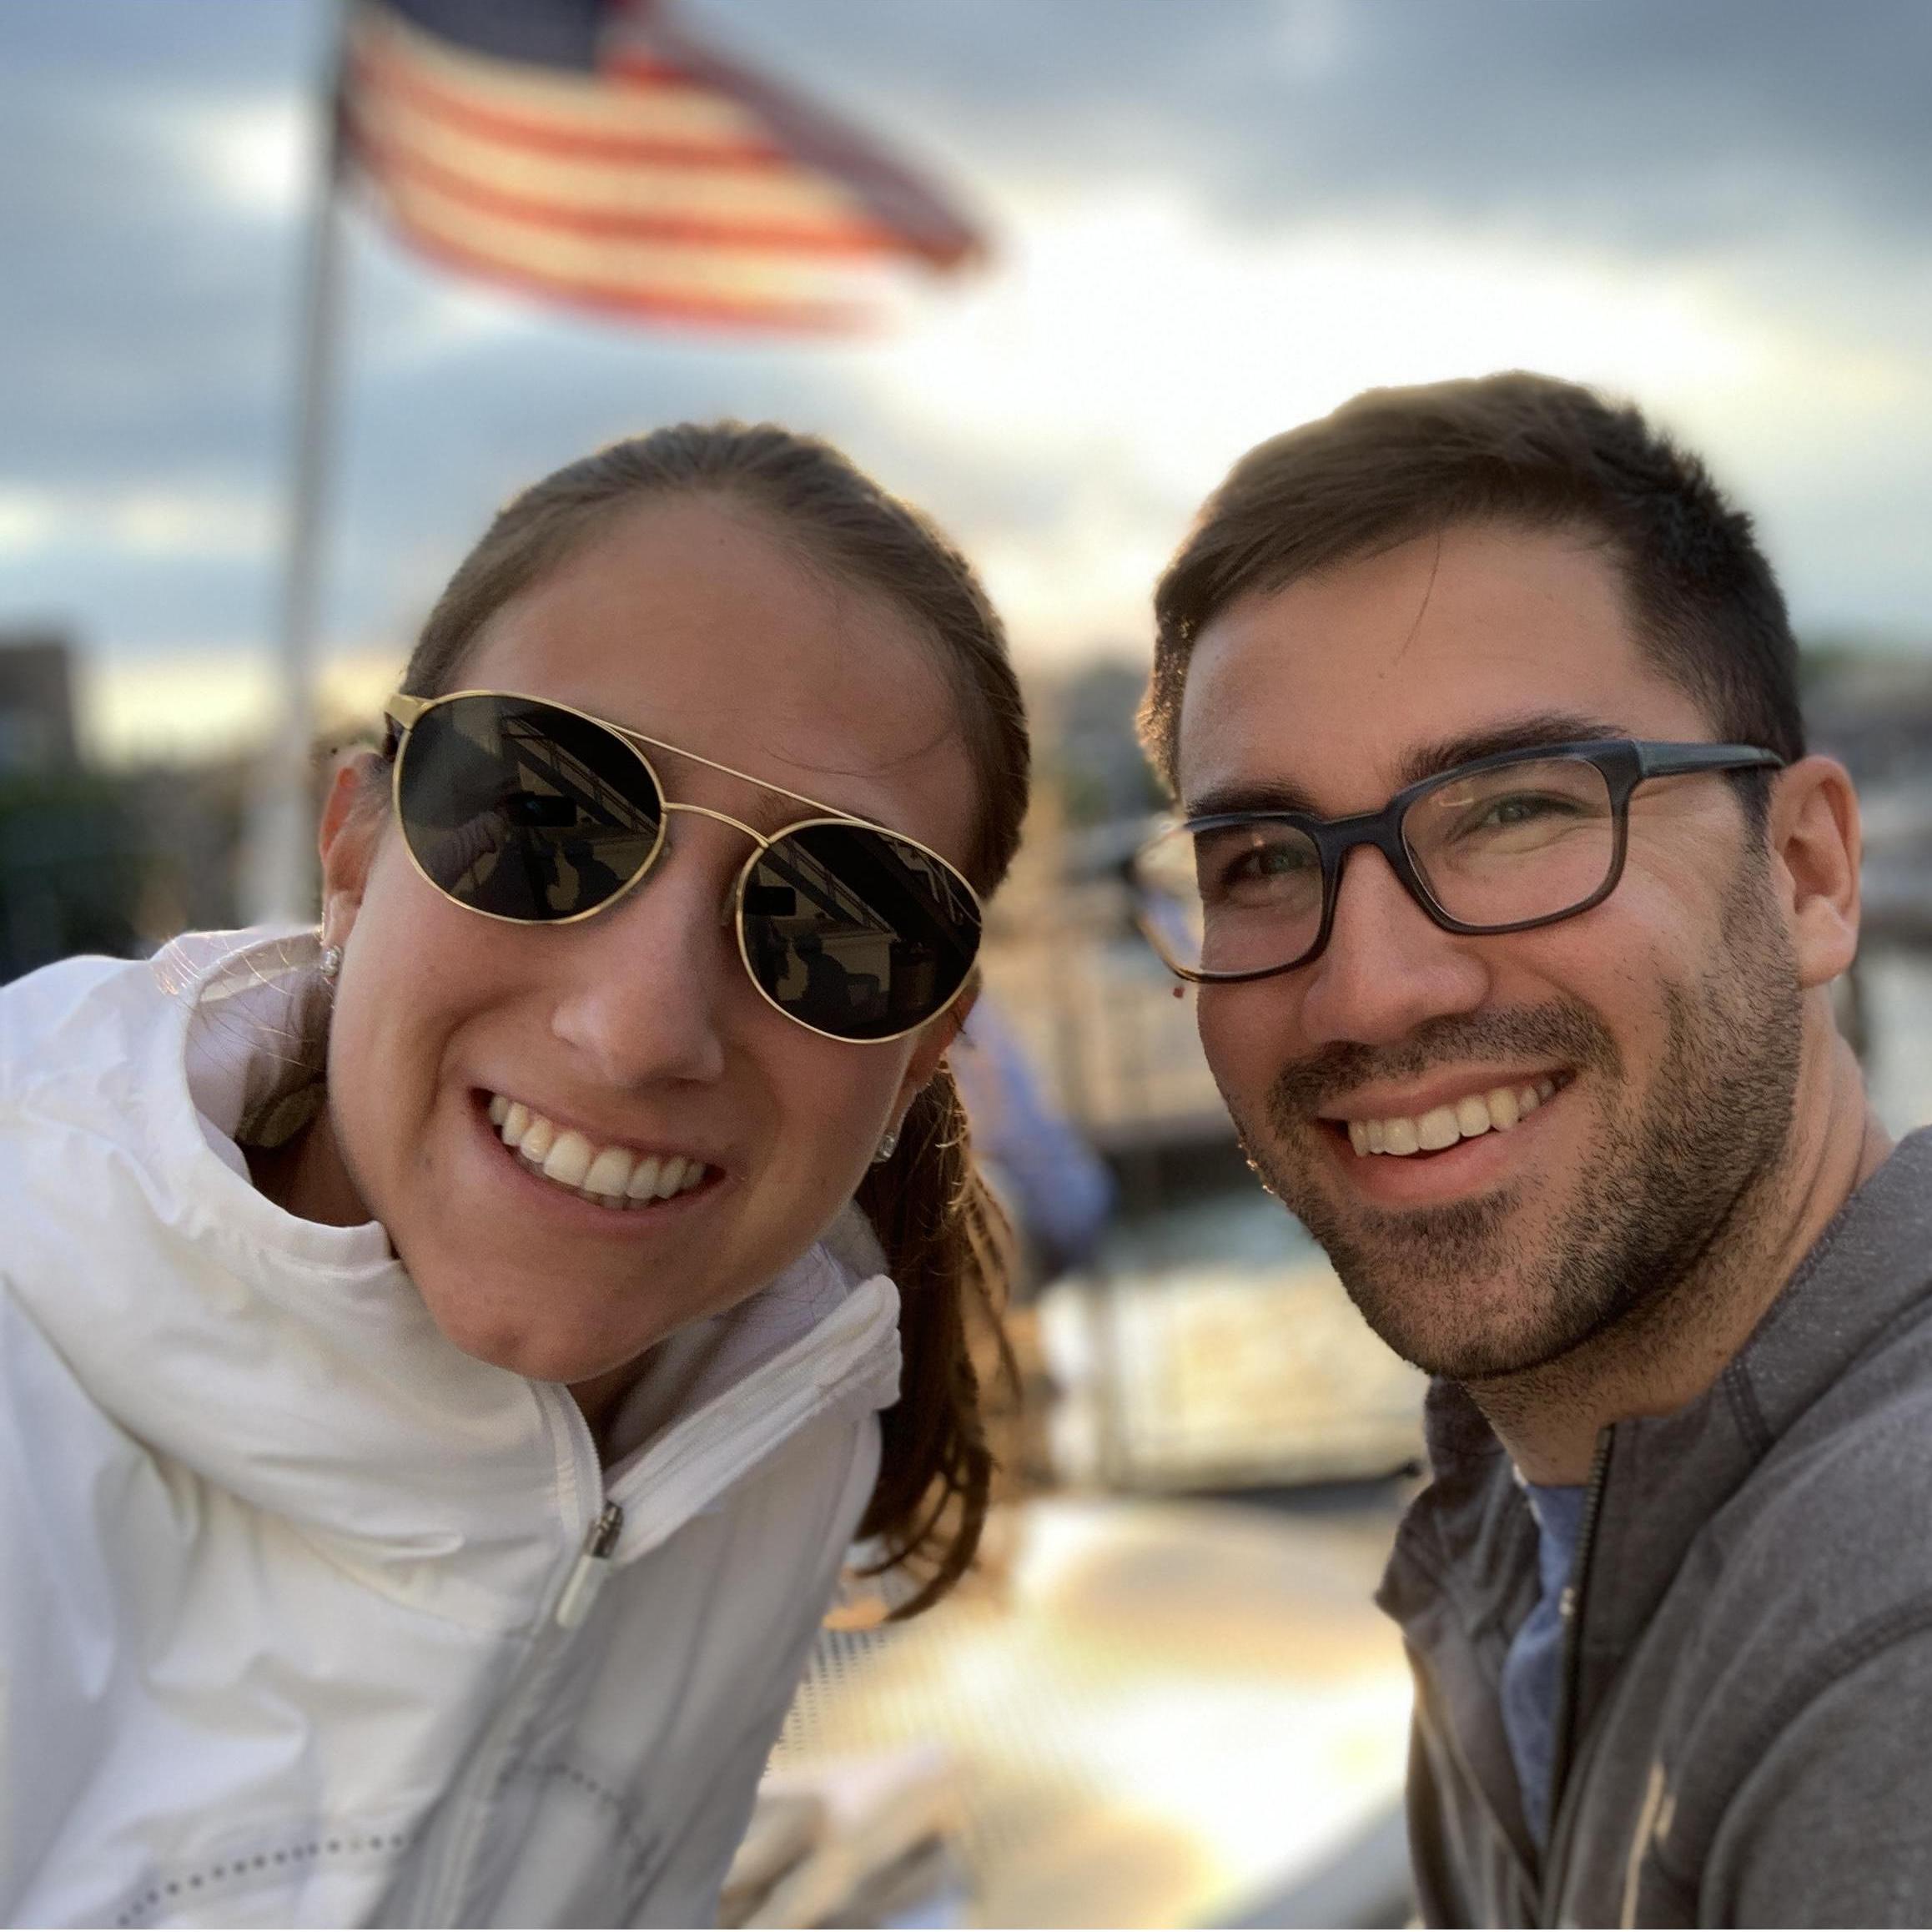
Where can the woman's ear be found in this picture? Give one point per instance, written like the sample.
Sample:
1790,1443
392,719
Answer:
352,822
930,1049
1815,846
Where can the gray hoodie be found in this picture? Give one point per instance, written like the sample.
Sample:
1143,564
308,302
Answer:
1745,1732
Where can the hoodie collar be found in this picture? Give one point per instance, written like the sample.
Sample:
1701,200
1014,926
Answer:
1666,1476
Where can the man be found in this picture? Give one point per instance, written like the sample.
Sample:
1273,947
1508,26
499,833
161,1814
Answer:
1517,905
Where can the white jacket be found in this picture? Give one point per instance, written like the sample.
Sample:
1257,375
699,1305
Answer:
298,1623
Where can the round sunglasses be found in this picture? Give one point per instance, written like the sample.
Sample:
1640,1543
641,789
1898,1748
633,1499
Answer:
540,814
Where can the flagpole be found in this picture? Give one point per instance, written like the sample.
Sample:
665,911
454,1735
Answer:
278,878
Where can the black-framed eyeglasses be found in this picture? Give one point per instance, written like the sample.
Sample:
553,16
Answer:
1501,844
536,814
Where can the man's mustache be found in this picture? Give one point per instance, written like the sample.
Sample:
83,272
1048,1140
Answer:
1562,1030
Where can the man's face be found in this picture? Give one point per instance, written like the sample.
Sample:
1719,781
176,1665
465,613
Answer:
1658,1033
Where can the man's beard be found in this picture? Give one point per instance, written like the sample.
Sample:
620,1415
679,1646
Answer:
1671,1173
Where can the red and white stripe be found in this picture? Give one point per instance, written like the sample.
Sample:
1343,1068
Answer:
670,184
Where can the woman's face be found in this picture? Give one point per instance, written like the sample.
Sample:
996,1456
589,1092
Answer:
638,1028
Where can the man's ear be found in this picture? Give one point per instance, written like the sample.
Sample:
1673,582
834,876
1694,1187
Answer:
1815,847
353,816
940,1032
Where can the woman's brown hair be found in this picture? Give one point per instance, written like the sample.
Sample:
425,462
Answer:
943,1236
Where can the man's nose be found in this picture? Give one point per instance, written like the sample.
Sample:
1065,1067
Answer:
1387,966
651,979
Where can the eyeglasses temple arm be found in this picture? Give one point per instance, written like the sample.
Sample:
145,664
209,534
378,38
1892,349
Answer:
1676,761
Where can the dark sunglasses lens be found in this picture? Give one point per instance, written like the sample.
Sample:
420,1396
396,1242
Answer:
523,810
856,933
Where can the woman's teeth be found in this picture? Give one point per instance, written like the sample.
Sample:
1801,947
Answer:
612,1176
1500,1108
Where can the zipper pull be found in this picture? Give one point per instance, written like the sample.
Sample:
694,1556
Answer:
593,1565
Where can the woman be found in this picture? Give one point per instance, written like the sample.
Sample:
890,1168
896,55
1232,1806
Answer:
442,1365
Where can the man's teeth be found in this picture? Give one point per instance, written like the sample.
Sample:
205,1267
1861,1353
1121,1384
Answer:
613,1176
1500,1108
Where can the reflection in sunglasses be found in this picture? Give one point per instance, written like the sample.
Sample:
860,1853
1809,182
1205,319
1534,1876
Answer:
529,811
840,959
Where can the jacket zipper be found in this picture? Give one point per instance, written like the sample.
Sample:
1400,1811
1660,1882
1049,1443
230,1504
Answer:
584,1579
1572,1614
439,1894
593,1564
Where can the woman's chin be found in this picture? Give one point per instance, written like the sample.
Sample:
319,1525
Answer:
552,1353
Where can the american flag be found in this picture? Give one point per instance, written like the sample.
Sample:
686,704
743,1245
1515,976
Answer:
593,151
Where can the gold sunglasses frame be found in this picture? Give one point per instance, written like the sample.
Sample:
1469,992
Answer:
402,710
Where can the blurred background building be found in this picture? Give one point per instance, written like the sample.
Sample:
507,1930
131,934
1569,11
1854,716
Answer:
1166,1699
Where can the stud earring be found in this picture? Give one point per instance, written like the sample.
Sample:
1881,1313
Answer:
888,1141
330,962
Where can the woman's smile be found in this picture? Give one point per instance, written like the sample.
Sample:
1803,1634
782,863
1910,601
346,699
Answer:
630,1089
607,1173
601,1143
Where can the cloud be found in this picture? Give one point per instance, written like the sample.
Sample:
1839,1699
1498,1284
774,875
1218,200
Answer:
260,158
1211,338
1660,125
138,521
1211,221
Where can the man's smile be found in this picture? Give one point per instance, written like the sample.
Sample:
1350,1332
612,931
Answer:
1454,1137
1515,901
1432,1125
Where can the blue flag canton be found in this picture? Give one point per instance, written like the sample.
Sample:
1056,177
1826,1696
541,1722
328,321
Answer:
554,33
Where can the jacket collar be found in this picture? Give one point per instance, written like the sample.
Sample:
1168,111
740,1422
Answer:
295,1365
1666,1475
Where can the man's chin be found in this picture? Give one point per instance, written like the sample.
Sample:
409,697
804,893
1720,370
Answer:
1444,1286
1440,1328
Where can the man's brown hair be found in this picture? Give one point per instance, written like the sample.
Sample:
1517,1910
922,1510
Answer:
1515,449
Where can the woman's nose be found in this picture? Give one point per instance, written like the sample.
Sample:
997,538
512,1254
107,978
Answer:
650,981
1387,967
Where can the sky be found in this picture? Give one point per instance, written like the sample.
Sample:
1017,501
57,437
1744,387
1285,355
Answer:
1211,221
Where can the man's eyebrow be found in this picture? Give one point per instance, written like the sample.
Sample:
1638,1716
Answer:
1549,727
1245,795
1523,734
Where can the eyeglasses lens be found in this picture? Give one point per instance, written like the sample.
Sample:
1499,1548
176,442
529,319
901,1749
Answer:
1233,898
1523,842
525,810
856,933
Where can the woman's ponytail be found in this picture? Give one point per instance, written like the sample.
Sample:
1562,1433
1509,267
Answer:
948,1247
